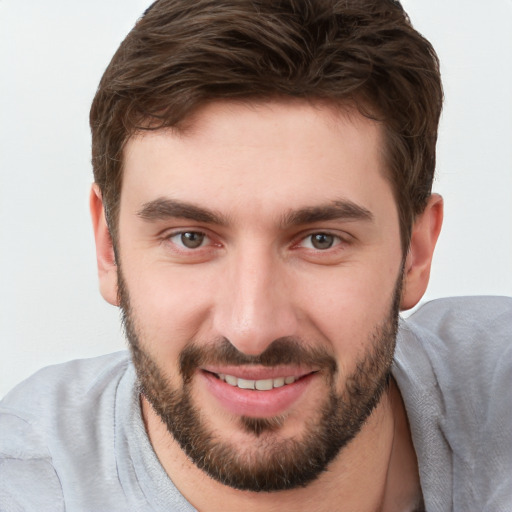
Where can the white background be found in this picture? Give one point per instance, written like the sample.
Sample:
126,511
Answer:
52,55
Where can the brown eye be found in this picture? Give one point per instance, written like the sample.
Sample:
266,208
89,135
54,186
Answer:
322,241
192,239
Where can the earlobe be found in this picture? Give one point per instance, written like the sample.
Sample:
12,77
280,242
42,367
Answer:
105,257
425,233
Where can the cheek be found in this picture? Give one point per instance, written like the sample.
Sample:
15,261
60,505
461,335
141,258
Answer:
350,305
170,307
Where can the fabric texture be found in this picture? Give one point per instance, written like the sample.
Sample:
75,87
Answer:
72,437
453,365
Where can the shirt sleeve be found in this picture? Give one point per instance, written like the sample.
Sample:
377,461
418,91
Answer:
28,481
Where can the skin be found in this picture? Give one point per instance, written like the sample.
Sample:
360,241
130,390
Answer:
257,278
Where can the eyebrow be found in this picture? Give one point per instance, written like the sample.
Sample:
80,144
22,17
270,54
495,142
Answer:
166,208
343,210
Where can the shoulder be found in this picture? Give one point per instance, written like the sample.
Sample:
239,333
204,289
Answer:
28,480
59,405
63,383
466,317
466,339
453,365
57,392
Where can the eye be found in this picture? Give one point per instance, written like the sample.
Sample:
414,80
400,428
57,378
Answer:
320,241
189,239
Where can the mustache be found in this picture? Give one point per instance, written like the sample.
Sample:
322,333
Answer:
282,351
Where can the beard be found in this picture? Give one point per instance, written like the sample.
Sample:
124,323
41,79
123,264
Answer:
269,462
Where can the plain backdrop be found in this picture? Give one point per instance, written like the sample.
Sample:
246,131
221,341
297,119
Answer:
52,55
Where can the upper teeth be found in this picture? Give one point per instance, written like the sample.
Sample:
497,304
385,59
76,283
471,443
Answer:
261,385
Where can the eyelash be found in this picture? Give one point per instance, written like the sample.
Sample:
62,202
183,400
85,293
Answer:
337,240
170,237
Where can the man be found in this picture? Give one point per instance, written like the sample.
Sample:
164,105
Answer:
262,210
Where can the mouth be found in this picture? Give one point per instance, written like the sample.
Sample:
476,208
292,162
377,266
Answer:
260,384
260,392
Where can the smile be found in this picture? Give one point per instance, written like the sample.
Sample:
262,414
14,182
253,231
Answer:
260,385
261,392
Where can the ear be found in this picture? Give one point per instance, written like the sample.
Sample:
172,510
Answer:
105,257
425,233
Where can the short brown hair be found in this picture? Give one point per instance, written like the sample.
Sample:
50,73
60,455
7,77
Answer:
182,54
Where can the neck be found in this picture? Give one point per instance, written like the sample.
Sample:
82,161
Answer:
376,471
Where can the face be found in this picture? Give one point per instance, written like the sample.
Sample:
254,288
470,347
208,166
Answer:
259,274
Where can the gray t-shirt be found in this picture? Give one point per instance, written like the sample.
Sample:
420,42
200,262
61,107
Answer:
72,436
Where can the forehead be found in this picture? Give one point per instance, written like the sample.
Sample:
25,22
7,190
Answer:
259,155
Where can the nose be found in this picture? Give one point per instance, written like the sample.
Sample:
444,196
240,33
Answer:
255,305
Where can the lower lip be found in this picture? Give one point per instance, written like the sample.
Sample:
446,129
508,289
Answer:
253,403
